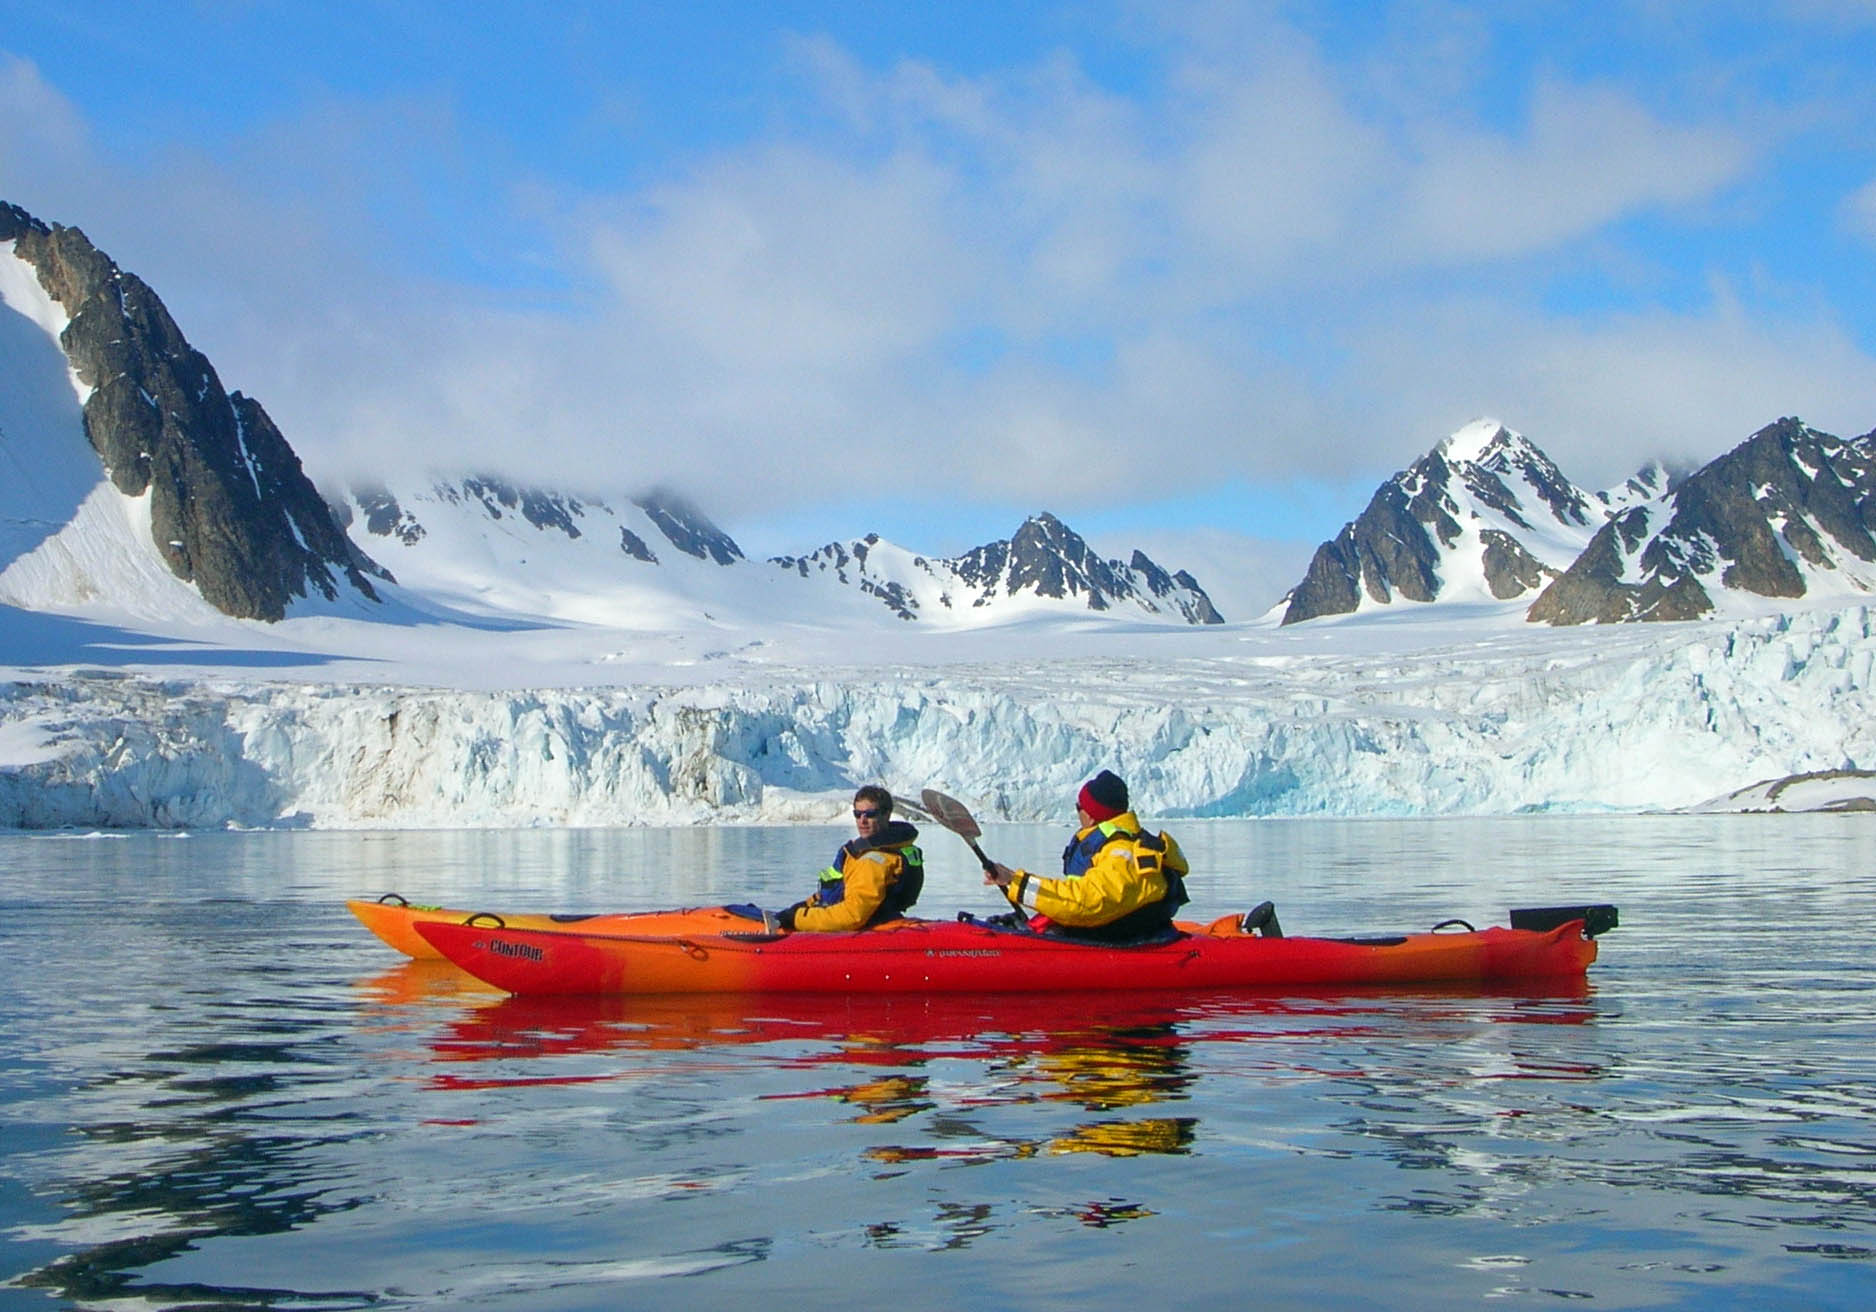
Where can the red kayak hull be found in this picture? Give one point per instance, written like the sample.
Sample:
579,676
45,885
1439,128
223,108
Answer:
916,956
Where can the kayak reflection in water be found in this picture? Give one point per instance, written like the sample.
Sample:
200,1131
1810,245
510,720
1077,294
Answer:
1116,1068
876,876
1106,1069
1119,884
1171,1135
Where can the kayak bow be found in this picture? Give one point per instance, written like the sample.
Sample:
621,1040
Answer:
396,921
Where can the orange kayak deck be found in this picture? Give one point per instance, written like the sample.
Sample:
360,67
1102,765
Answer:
396,921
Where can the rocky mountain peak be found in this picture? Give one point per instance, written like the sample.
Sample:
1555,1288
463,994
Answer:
1485,506
1775,516
1044,558
231,509
1476,442
1646,483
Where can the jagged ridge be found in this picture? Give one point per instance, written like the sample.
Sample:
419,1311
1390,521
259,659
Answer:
1044,558
1787,512
1772,517
1485,504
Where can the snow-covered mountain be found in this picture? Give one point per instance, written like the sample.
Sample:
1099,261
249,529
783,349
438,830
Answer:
547,658
654,561
1485,516
483,546
1044,563
130,461
139,471
1787,514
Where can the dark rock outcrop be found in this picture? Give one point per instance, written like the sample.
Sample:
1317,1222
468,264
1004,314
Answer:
848,563
1787,494
689,529
1386,549
1180,590
634,546
498,497
1510,570
384,517
231,509
1044,556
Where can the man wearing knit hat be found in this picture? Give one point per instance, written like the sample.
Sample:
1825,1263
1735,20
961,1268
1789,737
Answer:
1118,883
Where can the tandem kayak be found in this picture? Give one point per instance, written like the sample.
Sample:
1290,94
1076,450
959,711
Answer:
395,920
970,955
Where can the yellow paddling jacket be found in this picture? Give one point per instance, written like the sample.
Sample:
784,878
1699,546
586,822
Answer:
870,882
1119,883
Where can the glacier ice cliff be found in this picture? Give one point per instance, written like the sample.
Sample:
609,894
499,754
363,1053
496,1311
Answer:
1485,727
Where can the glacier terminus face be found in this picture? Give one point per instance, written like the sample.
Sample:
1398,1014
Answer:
1646,718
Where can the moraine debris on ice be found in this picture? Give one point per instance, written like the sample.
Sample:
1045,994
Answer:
1818,790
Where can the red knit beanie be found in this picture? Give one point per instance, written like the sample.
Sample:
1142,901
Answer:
1103,797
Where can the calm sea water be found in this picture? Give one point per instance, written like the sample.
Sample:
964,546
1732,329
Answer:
217,1091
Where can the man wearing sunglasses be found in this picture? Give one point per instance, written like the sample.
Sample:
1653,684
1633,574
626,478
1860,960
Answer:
875,877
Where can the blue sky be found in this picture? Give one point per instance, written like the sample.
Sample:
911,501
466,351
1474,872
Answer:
922,270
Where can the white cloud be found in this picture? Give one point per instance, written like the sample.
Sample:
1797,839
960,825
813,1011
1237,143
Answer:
1024,284
1602,396
1858,213
47,157
1274,175
789,261
1592,156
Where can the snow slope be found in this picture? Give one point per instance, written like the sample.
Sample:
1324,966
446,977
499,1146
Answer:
42,484
481,547
1819,790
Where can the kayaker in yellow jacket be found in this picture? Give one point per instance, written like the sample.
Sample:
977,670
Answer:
1118,882
876,876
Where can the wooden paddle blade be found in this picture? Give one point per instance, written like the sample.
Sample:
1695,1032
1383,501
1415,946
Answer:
951,813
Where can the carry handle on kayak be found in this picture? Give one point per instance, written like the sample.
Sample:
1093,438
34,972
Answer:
956,817
1597,918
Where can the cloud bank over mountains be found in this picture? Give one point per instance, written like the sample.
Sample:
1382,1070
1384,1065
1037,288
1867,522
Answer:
1275,243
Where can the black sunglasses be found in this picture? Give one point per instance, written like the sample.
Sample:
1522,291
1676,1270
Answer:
871,813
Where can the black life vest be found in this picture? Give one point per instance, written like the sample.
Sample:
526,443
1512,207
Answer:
897,836
1150,921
